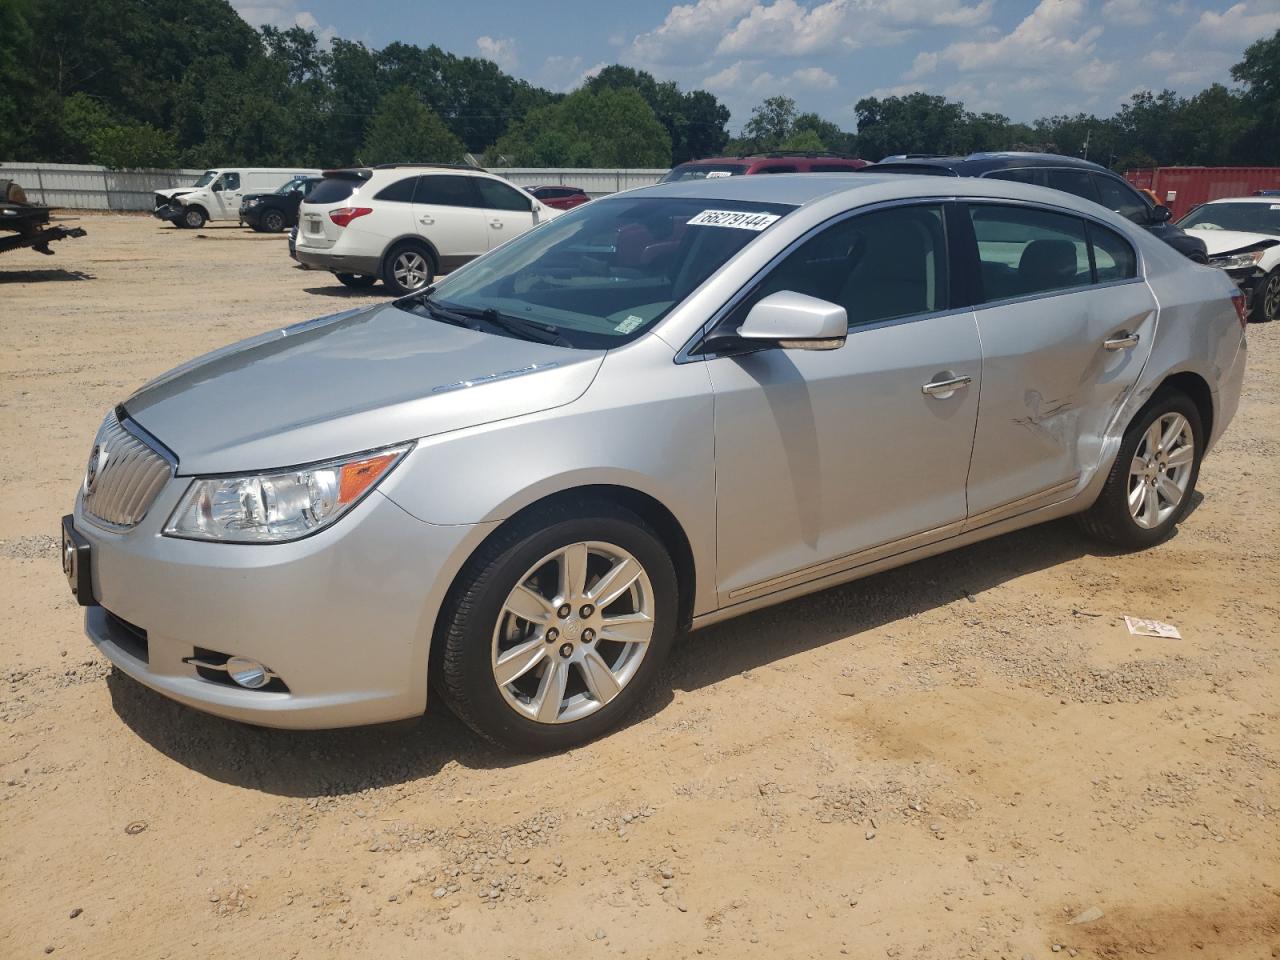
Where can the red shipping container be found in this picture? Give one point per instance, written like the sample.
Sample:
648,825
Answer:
1181,189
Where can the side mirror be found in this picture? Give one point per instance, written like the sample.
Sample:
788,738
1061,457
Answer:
217,187
794,321
1161,214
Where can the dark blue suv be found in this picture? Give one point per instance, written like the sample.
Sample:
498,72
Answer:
1068,174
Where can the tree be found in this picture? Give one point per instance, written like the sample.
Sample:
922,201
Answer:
100,138
770,124
695,121
405,130
611,128
1259,71
915,123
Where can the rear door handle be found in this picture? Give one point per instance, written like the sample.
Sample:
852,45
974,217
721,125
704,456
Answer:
1121,341
944,388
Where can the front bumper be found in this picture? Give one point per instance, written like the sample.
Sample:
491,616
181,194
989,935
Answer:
169,212
339,263
250,216
344,618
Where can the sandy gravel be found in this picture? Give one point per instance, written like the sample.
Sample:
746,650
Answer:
954,759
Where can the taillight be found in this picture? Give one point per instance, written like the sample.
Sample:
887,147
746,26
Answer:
344,215
1237,301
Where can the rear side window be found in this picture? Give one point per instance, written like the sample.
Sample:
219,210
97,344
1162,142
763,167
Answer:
878,266
1035,177
1124,200
1113,257
332,190
446,190
1076,182
499,196
399,192
1025,251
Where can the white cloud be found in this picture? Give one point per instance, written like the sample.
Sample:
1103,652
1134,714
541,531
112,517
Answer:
684,35
501,50
1043,39
748,76
1238,25
1130,12
814,77
283,14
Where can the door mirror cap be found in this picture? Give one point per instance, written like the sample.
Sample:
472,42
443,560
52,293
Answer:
1161,214
795,321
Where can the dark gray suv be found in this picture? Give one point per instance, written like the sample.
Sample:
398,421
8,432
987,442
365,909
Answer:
1069,174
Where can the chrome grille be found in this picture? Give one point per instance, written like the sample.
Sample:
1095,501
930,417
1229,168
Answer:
124,476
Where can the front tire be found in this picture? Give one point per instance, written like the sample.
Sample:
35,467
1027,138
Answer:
556,627
1266,299
1154,476
193,218
272,221
356,281
408,267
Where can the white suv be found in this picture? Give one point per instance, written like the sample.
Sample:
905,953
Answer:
404,223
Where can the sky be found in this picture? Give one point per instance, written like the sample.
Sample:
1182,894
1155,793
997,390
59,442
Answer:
1022,58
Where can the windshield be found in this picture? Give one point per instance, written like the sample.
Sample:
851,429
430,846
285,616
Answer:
1245,217
206,178
704,171
607,271
294,184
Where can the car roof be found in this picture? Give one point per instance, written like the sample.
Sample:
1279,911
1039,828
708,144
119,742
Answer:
1267,200
975,163
800,189
782,155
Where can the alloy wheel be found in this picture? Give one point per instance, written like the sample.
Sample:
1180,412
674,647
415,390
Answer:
1271,297
1160,470
411,269
573,632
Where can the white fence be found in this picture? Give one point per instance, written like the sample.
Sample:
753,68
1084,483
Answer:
76,186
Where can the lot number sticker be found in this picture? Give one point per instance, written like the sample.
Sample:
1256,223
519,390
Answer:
733,218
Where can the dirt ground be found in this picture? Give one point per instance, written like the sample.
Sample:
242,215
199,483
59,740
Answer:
954,759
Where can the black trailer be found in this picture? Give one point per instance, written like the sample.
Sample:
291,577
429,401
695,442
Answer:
28,222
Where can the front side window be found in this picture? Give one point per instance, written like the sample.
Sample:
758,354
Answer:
1123,199
878,266
499,196
446,190
1025,251
229,181
607,271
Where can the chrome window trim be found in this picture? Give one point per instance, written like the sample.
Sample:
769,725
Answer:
686,355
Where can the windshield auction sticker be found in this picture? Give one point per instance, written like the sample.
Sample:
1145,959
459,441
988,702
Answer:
733,218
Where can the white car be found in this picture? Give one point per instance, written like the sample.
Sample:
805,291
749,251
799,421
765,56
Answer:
1242,235
216,195
406,223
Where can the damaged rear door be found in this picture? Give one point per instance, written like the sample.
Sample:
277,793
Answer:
1066,324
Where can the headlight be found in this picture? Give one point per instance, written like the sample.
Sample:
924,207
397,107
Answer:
254,202
1238,261
282,506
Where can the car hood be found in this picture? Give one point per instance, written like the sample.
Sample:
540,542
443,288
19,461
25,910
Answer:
1222,242
174,192
347,383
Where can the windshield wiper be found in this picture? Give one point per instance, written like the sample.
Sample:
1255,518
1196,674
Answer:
437,312
520,326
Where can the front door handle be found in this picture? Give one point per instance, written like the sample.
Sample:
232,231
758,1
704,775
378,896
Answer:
1121,341
496,224
426,220
945,388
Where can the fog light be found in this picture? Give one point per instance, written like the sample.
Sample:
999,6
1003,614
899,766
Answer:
248,673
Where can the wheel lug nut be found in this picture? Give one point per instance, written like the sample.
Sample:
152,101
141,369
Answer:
553,635
588,636
564,611
587,610
566,650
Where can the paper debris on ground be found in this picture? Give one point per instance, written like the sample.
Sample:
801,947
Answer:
1140,627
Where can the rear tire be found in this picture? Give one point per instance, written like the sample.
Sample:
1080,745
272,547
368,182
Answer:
1159,456
1266,299
357,281
580,681
193,218
408,267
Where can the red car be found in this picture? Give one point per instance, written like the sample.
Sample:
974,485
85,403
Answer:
763,163
561,198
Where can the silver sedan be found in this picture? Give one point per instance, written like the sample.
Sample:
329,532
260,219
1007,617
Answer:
660,410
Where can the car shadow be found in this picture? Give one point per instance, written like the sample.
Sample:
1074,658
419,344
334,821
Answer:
43,276
342,292
338,762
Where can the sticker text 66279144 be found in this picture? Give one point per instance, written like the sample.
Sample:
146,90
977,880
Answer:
737,219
